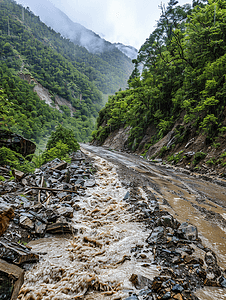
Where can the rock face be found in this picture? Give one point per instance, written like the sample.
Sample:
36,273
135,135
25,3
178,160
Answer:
117,140
16,143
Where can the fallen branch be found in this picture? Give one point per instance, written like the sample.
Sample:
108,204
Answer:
50,189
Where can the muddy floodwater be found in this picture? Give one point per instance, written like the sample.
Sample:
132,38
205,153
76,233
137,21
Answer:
98,258
97,262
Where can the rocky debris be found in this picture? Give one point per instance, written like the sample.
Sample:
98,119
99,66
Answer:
38,205
16,253
185,264
39,200
11,280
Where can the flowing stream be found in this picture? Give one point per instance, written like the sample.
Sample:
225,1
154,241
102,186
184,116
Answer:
97,262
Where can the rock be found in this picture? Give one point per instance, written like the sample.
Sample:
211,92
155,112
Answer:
188,231
74,166
60,228
211,282
26,222
222,281
140,282
16,142
166,221
210,259
11,280
6,214
167,295
189,154
60,166
62,195
201,273
193,260
16,253
40,227
18,174
178,297
61,220
156,235
65,211
177,288
90,183
156,284
127,195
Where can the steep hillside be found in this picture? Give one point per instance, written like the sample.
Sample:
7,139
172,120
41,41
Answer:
29,48
101,61
178,103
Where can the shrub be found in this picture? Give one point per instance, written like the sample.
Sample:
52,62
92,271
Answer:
66,136
60,151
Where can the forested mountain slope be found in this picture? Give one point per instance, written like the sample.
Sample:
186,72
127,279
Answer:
181,93
111,67
28,46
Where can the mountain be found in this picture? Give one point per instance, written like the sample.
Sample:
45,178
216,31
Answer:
176,109
112,67
60,22
78,34
129,51
69,78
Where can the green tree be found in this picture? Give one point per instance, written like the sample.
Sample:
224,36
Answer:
66,136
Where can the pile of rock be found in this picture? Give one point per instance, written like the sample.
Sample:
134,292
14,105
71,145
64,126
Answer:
185,264
38,205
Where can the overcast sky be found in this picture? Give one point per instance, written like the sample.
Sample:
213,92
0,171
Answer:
127,21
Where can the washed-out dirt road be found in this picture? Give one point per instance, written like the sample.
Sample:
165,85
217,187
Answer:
197,199
130,244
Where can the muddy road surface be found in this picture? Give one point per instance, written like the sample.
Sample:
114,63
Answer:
200,201
130,242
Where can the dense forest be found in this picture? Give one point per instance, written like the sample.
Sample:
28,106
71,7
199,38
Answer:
28,46
184,73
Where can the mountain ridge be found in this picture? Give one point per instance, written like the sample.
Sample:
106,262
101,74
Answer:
77,33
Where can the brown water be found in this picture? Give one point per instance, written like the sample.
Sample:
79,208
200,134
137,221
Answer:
97,262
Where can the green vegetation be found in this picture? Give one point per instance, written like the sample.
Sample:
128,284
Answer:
211,161
65,136
198,157
60,151
163,151
61,143
29,48
15,160
2,178
184,71
175,157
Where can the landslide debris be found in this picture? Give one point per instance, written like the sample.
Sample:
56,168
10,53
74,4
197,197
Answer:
34,206
185,265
